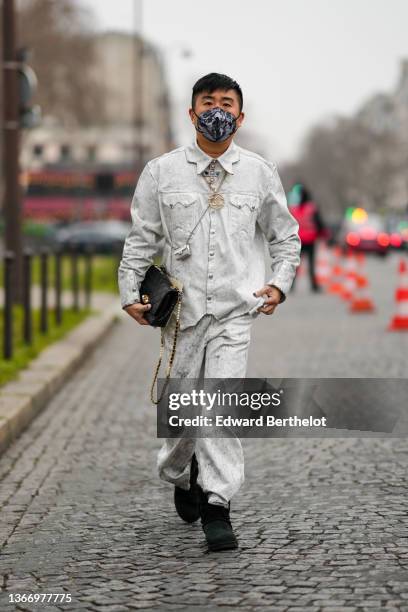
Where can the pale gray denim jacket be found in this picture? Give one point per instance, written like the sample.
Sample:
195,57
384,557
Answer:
227,262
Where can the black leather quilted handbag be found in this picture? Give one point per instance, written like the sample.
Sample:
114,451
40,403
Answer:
158,290
164,293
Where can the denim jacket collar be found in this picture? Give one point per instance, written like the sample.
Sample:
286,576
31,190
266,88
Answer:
196,155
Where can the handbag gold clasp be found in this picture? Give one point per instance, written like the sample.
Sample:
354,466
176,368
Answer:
145,298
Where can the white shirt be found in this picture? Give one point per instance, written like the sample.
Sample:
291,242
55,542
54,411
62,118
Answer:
227,262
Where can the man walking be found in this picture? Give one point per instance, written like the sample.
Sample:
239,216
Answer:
215,204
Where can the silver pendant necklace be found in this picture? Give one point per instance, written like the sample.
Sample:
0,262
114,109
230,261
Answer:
215,199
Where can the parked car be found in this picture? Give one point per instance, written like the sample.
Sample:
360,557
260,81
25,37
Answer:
397,228
100,236
365,232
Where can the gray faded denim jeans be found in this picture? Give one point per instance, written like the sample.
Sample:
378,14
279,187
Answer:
210,349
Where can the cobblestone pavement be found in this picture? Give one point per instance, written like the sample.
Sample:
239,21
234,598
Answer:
322,523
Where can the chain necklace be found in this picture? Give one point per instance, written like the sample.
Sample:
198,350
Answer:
216,199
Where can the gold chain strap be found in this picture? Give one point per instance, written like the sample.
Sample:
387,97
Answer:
173,352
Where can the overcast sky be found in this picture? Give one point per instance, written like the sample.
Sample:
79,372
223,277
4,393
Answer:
297,61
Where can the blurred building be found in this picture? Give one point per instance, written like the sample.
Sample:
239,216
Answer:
389,112
134,122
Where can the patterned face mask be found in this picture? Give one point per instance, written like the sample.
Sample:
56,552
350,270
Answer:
216,124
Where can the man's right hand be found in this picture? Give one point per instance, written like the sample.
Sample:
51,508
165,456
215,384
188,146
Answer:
137,310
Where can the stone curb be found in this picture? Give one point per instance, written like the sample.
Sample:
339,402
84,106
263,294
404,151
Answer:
23,398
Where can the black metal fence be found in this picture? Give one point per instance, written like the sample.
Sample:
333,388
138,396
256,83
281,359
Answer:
57,311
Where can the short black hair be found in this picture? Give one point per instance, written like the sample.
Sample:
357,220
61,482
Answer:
213,81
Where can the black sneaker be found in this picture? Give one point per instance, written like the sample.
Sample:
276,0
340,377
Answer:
187,502
216,524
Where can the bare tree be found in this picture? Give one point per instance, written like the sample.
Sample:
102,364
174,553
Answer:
63,54
344,162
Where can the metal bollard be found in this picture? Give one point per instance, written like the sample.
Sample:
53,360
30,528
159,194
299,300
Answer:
8,306
88,276
75,280
44,288
27,316
58,283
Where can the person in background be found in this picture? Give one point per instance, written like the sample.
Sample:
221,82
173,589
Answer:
311,228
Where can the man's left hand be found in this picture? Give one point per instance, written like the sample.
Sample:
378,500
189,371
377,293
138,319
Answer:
273,298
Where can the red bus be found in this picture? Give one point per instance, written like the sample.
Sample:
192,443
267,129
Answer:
78,194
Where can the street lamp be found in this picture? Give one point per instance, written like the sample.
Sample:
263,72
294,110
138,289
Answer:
11,146
181,50
19,82
141,53
138,85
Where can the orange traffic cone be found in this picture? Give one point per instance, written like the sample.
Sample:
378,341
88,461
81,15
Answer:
350,274
361,301
400,320
322,266
335,284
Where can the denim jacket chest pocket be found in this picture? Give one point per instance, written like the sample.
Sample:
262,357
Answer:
242,212
180,211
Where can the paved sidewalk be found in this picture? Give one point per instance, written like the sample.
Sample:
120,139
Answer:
322,523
